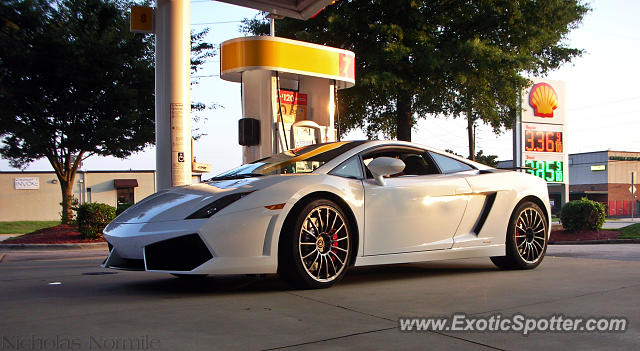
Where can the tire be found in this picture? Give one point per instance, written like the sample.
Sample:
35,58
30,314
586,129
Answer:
527,235
315,246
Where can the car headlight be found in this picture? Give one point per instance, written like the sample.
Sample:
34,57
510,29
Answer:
212,208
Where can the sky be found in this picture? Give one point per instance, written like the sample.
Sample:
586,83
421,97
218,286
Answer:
603,98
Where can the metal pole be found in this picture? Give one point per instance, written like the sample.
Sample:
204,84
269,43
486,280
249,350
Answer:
272,27
633,195
173,93
517,136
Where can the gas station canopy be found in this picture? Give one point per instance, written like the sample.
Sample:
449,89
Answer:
286,56
300,9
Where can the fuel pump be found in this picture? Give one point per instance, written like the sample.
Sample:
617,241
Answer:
288,91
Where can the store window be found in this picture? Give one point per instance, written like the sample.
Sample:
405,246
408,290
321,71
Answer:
125,196
125,190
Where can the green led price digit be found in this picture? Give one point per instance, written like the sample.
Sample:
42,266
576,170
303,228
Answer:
549,168
540,171
559,172
530,165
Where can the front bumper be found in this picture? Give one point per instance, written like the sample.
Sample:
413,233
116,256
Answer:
180,254
237,243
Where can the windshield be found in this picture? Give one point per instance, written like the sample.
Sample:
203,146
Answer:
305,159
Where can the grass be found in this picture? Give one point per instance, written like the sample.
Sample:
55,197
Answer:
630,232
24,227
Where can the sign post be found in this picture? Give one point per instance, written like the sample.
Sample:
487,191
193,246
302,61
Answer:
633,194
173,93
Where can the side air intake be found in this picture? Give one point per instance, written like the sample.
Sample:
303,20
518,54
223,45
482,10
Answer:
486,209
183,253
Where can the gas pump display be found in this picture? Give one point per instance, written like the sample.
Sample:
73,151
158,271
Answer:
304,136
305,133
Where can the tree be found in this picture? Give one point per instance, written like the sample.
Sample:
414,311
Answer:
432,57
74,82
201,51
489,160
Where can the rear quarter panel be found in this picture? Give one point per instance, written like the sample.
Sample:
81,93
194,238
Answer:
510,188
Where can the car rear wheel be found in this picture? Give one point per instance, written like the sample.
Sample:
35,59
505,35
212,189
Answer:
315,249
526,242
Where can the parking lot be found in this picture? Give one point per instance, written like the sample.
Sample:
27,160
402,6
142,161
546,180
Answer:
66,299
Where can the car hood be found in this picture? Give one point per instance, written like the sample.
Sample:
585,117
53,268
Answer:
179,202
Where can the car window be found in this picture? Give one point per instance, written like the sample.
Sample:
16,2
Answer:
449,165
416,162
350,168
305,159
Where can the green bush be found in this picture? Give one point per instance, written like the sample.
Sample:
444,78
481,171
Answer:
92,217
582,214
122,207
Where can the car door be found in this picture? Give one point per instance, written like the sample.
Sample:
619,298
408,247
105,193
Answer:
418,209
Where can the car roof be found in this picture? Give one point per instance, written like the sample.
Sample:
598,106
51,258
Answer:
369,144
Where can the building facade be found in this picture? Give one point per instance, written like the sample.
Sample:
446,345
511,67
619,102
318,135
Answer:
606,177
36,196
603,176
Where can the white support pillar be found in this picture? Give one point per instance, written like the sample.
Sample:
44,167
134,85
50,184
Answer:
173,93
258,96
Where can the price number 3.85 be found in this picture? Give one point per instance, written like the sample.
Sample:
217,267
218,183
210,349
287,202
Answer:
551,171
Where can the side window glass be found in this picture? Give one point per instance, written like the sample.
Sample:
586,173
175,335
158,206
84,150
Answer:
416,162
349,169
449,165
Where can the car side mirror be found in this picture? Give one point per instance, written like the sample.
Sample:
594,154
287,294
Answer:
384,166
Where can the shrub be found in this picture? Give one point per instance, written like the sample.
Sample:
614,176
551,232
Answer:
93,217
582,214
122,207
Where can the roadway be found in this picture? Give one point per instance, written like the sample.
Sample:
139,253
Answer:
63,297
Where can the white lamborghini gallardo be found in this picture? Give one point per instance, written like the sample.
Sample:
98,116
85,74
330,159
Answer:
309,214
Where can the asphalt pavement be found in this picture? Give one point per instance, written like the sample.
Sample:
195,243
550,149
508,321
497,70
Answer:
66,299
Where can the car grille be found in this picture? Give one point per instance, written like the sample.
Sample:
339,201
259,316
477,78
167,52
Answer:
183,254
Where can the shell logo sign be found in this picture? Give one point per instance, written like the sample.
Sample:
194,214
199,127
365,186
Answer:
544,100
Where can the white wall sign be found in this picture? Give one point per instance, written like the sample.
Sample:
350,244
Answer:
26,183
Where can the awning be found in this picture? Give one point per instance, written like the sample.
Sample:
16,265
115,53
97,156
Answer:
300,9
125,183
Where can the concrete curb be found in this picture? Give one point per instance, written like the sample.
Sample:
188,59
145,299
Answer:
591,242
73,246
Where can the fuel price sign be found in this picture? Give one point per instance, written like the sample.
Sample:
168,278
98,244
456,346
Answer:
551,171
543,138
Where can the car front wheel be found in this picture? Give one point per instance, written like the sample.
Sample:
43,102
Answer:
315,249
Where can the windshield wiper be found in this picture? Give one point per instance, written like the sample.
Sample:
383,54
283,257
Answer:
236,176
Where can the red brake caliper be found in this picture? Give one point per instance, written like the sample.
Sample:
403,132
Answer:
334,237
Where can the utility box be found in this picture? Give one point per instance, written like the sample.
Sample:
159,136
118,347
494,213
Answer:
248,132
